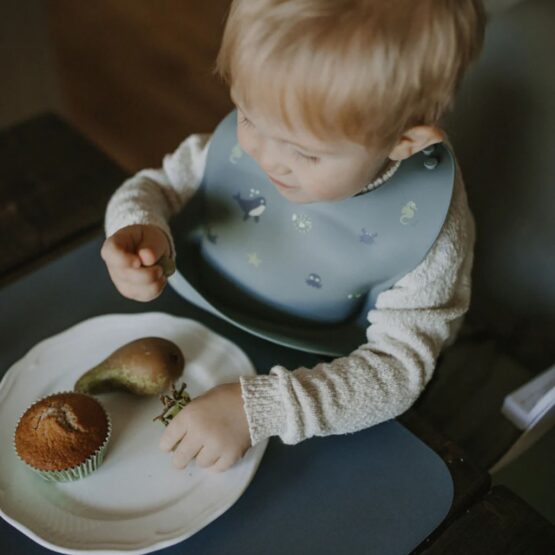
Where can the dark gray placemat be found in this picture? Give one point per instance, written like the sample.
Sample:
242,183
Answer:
377,491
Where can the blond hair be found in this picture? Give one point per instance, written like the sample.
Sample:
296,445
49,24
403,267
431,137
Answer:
366,70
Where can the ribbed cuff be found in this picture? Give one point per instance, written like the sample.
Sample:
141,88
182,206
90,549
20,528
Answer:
263,406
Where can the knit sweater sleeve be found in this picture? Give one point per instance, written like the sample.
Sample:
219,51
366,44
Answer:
382,378
153,196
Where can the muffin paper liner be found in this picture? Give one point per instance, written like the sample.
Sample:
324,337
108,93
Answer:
87,467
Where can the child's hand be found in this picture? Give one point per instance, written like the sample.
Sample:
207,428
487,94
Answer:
131,255
212,428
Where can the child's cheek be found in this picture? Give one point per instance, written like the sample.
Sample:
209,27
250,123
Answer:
320,183
319,190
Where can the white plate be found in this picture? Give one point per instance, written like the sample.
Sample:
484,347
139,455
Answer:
136,502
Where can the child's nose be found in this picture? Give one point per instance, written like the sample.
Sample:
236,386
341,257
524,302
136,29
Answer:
268,157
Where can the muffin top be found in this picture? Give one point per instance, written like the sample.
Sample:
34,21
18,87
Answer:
61,431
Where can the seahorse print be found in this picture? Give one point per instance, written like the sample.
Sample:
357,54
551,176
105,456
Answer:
236,154
408,212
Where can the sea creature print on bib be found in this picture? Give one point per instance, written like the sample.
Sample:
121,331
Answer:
302,222
314,280
408,212
252,207
253,259
236,154
366,237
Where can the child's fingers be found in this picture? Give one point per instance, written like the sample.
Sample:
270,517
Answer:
164,262
137,291
116,256
141,276
122,259
223,463
186,451
173,433
206,457
153,245
148,256
142,293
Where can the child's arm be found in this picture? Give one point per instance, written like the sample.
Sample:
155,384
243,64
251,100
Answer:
137,219
384,377
377,382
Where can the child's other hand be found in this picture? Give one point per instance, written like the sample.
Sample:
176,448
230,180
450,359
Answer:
212,428
130,255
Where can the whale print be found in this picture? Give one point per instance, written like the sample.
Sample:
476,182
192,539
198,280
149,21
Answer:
251,207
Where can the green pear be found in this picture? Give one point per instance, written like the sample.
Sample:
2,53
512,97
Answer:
146,366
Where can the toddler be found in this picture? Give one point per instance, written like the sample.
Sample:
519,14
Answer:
334,156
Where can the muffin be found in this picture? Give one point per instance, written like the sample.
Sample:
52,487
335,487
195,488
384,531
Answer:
63,437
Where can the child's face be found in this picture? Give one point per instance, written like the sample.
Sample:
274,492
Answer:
303,168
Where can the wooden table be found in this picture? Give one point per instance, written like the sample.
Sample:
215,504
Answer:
54,186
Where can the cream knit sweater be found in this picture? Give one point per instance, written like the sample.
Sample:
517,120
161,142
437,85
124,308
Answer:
407,329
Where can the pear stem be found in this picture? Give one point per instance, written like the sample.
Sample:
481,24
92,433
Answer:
173,404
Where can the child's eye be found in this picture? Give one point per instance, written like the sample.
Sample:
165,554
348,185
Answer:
306,157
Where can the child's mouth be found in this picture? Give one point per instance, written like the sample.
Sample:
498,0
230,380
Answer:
280,184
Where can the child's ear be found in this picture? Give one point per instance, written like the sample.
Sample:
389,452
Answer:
416,139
